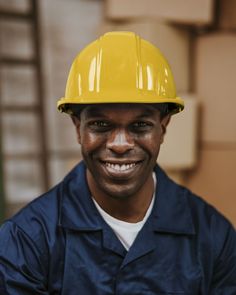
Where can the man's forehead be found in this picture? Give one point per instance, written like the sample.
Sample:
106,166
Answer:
102,109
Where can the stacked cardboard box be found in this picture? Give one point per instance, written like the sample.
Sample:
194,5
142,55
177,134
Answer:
181,11
215,78
179,150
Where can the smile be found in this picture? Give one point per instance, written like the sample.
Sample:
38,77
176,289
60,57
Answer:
120,167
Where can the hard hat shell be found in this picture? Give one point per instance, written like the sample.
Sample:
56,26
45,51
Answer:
120,67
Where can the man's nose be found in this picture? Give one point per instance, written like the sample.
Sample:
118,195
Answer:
120,141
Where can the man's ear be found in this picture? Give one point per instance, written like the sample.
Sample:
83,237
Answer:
76,122
164,123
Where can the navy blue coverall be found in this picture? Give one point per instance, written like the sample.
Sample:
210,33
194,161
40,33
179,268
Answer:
59,244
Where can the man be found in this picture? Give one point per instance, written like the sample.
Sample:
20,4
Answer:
117,224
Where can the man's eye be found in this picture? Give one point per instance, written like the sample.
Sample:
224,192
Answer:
140,124
99,124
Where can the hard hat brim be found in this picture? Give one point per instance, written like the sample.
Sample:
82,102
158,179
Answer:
65,105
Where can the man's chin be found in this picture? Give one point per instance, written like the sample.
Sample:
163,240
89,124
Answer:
120,191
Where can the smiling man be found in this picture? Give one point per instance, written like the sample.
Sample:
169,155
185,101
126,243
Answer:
117,224
120,144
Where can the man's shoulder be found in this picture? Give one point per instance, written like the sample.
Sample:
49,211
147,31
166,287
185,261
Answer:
204,214
39,215
210,224
43,213
33,226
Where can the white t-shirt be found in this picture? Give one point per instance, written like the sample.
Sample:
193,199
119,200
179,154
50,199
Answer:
126,231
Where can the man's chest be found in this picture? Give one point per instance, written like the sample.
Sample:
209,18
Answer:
97,263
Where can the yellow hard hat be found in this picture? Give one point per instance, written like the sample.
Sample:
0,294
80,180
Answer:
120,67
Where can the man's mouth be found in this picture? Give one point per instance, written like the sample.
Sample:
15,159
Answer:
120,167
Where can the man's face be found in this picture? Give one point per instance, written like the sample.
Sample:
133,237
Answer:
120,144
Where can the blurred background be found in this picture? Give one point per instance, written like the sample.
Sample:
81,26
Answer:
39,40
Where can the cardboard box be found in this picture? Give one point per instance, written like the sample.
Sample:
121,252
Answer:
215,75
173,42
215,179
181,11
179,150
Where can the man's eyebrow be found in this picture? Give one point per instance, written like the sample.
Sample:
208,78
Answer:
147,113
96,112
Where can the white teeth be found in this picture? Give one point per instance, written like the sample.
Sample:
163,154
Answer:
122,167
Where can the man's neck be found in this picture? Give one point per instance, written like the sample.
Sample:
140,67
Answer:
131,208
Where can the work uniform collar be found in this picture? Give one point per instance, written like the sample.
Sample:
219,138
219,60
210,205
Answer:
77,210
171,211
